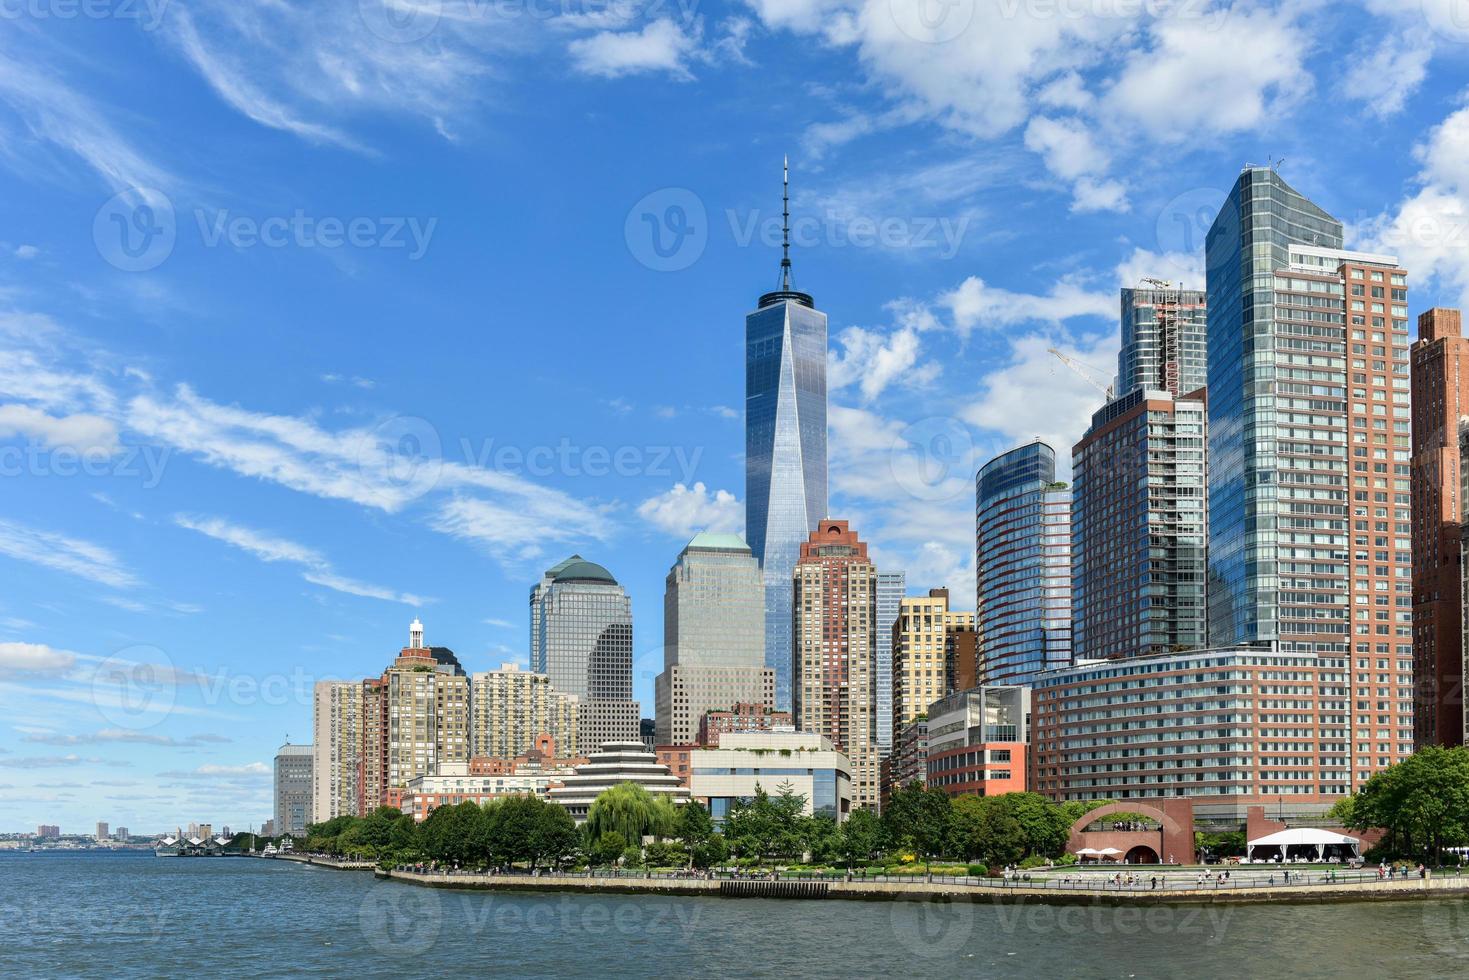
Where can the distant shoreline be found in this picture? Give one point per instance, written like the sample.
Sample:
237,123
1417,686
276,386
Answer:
885,891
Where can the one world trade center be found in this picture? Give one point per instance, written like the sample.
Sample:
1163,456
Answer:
785,446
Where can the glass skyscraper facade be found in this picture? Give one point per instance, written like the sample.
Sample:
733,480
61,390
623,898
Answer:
1310,495
1249,240
1023,565
891,588
785,454
1164,341
581,637
1139,523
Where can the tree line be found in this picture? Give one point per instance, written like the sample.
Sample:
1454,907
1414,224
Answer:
629,826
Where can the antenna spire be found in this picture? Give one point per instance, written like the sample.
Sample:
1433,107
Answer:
785,226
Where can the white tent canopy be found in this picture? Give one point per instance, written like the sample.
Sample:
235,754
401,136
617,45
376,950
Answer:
1307,839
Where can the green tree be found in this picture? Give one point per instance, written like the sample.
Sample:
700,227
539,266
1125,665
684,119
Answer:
693,829
859,837
606,847
627,809
917,817
554,836
1422,802
1043,824
985,828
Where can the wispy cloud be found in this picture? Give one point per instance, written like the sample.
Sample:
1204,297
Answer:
269,548
125,736
73,556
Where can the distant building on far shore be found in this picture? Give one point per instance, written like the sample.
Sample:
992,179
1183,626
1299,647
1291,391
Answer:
293,789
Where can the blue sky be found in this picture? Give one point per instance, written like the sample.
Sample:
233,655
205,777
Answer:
317,317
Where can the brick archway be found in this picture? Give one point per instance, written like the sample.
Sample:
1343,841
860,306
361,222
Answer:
1173,842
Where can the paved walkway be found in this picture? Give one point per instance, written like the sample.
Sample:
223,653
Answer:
1090,892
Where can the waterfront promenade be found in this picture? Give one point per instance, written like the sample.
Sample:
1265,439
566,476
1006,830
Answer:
1174,886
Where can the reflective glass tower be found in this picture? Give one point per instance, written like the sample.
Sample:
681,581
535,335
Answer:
1023,565
785,449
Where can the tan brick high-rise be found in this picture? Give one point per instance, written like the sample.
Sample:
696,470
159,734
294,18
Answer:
925,649
834,669
1440,400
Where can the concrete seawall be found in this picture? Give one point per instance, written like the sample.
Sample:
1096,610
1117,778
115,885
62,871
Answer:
795,888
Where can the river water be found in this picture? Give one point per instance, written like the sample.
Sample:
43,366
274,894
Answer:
132,915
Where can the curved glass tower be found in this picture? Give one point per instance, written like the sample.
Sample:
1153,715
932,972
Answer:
1022,565
785,450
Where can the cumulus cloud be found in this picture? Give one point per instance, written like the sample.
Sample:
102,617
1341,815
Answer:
873,360
975,303
34,658
661,46
684,511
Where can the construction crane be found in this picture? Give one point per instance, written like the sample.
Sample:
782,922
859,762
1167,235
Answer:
1085,372
1157,283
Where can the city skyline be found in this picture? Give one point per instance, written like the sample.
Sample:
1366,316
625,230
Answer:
292,447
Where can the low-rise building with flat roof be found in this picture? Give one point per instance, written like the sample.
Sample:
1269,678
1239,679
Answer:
744,761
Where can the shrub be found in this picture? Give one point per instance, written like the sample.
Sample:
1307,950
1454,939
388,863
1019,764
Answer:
1034,861
977,870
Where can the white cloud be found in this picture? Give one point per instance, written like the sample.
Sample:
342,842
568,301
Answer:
83,433
873,361
1428,230
1035,395
661,46
53,113
268,548
34,658
1224,74
26,251
73,556
976,304
1175,267
684,511
1388,76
